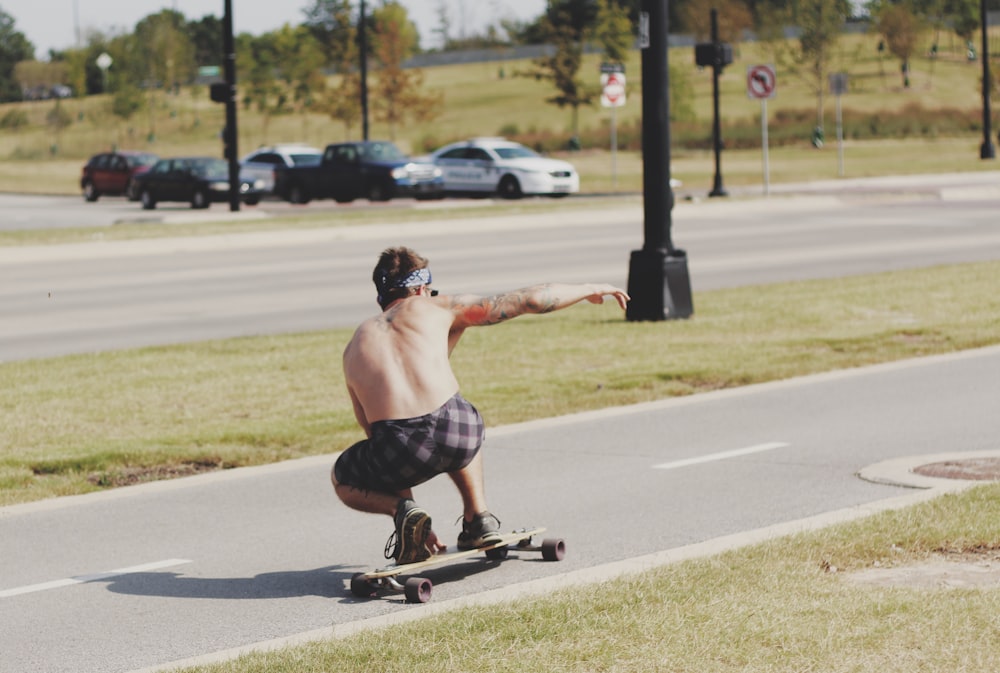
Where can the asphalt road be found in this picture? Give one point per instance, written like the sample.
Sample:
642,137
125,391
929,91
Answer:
103,296
135,578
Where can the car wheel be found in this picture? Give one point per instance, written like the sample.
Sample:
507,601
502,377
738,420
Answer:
297,195
131,192
199,200
253,200
148,202
378,192
510,188
90,192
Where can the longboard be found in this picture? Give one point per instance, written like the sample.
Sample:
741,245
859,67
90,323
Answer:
418,589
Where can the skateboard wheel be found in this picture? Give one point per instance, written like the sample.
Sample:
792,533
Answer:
363,587
497,553
553,549
417,590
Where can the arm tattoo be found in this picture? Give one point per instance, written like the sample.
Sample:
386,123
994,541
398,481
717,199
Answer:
500,307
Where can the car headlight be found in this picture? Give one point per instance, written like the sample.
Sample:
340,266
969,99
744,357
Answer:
437,172
400,173
219,186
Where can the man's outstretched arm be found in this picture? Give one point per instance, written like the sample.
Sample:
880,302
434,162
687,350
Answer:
471,310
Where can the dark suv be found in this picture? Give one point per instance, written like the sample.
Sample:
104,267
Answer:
112,173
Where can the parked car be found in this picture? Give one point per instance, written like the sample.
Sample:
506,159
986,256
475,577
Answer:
485,166
198,180
376,170
259,166
113,174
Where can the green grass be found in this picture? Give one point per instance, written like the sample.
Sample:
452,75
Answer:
85,422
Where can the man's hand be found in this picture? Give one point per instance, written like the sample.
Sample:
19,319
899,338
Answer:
600,291
434,544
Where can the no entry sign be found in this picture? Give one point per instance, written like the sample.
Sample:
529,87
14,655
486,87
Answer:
761,82
613,89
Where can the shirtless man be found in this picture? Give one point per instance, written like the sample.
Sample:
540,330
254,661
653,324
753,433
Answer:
407,400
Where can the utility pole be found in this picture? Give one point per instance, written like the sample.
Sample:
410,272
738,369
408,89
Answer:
231,134
986,151
658,280
363,45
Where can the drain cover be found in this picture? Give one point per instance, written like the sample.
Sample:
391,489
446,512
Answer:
977,469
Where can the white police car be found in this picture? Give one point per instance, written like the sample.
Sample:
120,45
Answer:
483,166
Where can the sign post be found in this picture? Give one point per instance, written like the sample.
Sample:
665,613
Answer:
613,96
838,87
762,83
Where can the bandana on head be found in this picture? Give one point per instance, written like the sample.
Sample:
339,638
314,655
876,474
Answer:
415,278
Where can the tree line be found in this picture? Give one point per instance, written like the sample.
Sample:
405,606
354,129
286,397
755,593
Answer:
313,66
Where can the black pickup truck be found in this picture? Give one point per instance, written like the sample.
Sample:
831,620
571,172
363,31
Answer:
374,170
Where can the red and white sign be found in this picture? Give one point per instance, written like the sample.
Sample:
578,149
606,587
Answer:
761,81
612,89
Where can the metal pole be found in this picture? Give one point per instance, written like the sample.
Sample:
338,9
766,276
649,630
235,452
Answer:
363,43
717,188
658,280
229,72
986,151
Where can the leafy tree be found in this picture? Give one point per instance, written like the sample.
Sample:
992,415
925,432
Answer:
205,35
613,31
734,16
258,63
565,25
397,92
331,25
821,23
14,47
898,26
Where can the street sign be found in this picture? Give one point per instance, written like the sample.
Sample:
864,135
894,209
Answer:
838,83
612,89
762,82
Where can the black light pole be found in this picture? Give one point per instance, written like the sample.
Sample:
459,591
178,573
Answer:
230,131
363,44
717,188
986,151
658,279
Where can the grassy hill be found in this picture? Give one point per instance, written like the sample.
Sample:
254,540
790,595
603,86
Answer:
942,104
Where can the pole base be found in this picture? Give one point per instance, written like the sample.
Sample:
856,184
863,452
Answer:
986,151
659,285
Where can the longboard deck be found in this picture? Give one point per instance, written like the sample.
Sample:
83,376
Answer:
451,554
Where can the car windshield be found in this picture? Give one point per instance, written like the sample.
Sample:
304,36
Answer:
380,152
514,152
211,169
306,159
142,160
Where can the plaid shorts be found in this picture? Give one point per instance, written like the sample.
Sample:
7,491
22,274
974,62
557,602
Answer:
403,453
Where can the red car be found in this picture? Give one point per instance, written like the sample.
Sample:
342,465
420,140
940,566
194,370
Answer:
112,173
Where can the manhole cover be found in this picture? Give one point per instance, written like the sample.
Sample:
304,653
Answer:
978,469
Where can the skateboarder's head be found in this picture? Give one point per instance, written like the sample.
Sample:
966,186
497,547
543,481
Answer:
400,272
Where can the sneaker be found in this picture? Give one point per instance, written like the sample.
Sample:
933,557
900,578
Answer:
483,530
408,542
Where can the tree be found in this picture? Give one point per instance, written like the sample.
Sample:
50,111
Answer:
613,31
397,92
565,25
820,23
14,48
898,26
330,24
734,17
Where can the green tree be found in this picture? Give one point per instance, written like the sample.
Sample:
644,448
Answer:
734,17
565,27
613,31
899,27
331,25
397,91
14,48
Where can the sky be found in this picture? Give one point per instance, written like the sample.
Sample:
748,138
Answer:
52,24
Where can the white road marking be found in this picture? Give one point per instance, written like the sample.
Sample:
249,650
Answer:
758,448
55,584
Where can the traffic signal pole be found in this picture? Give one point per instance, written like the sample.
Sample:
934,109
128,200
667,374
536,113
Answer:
230,131
658,280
